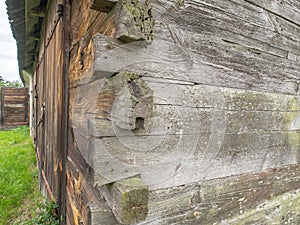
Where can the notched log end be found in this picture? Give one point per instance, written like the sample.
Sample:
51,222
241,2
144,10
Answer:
134,201
130,103
128,199
102,5
134,21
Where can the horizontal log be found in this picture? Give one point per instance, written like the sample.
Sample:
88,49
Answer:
184,108
19,101
216,200
245,65
15,123
170,160
241,71
13,106
191,121
272,211
246,18
12,90
246,198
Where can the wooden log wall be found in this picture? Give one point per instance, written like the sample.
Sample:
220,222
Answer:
197,100
223,84
14,107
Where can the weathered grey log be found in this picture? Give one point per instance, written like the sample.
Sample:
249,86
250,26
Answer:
218,131
284,208
196,64
214,201
128,199
175,161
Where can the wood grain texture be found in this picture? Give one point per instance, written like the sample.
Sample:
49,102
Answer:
85,24
242,57
85,205
221,132
288,9
48,103
211,201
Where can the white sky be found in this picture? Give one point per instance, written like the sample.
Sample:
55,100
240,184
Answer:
8,51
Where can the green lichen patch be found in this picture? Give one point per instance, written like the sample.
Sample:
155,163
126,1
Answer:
134,202
283,209
130,76
142,15
135,21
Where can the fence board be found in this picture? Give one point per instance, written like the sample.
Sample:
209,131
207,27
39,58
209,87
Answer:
14,107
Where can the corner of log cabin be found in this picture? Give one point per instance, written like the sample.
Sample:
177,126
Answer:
165,112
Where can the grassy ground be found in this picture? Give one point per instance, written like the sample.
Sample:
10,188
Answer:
18,176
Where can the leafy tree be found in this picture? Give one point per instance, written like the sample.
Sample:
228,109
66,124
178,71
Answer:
7,83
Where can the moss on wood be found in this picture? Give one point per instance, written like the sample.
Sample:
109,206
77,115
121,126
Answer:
135,21
282,209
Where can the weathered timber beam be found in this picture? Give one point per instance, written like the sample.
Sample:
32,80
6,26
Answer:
273,211
128,199
215,201
103,5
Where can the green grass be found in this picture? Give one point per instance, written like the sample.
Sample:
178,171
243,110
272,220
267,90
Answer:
18,173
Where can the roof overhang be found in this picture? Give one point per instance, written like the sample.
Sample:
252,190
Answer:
26,19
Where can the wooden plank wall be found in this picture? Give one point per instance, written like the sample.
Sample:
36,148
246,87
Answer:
48,90
14,107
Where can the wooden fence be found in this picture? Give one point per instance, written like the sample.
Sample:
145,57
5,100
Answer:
14,107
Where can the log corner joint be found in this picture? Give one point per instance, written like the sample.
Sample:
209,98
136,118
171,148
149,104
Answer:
128,199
